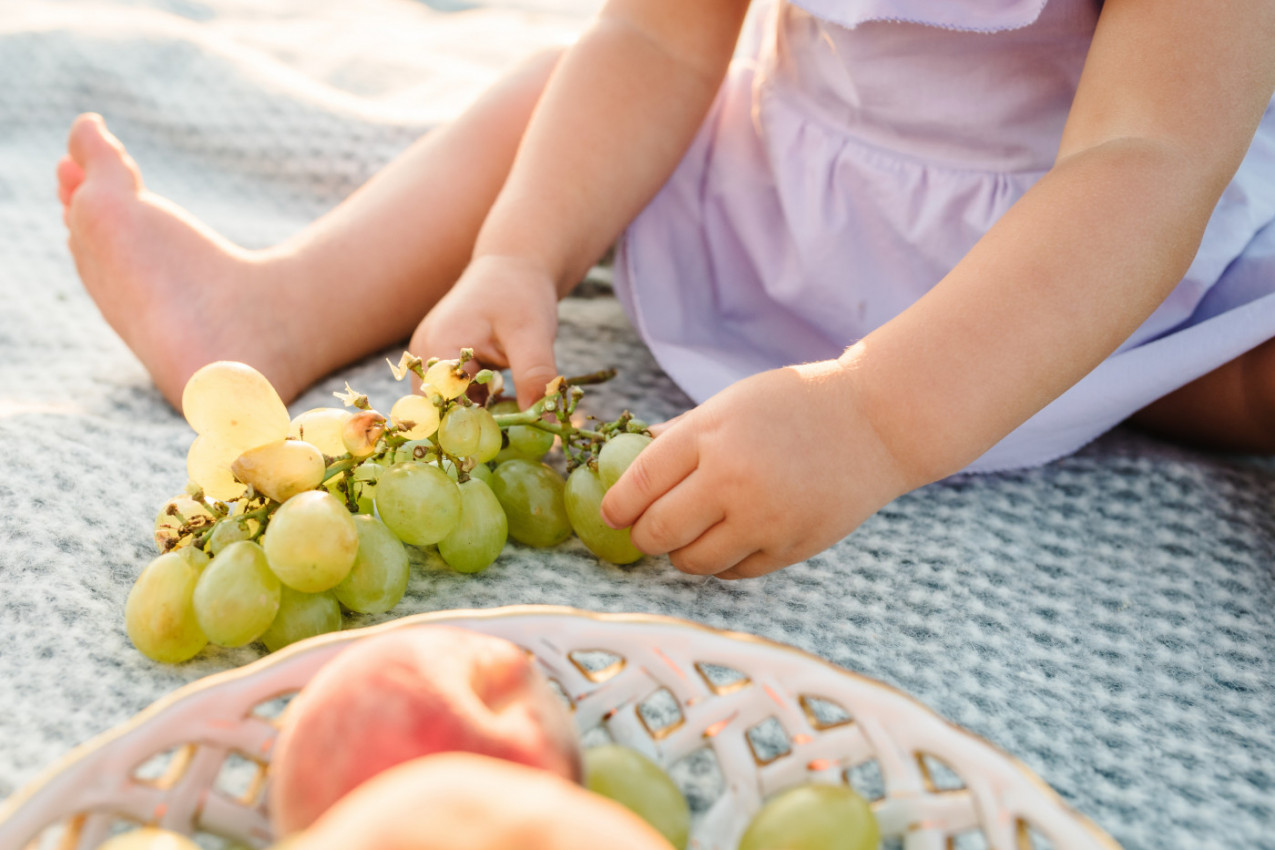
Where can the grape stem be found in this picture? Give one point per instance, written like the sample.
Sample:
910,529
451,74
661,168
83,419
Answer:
551,403
339,465
261,514
599,377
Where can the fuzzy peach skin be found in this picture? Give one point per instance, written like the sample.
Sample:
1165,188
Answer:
463,801
408,693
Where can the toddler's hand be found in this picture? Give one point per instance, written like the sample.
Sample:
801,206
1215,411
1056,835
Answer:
770,471
506,310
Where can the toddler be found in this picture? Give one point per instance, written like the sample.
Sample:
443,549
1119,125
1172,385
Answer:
891,240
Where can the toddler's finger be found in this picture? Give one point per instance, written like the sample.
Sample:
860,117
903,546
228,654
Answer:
677,518
660,466
755,565
532,366
660,427
720,549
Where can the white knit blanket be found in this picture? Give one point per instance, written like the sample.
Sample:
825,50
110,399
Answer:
1108,619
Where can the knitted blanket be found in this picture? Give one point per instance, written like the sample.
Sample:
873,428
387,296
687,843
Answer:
1109,619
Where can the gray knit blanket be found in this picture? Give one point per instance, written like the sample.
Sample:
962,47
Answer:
1109,619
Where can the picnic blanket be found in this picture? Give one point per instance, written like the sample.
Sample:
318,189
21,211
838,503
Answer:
1109,619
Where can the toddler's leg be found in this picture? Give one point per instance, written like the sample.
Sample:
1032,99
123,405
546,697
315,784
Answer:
1231,408
352,282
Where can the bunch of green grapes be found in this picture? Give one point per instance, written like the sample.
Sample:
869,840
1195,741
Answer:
288,522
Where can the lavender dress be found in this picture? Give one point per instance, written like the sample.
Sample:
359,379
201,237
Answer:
857,150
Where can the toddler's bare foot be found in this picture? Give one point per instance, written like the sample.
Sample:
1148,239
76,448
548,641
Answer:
178,294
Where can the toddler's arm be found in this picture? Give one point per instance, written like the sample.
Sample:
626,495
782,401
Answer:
1170,97
616,116
1168,102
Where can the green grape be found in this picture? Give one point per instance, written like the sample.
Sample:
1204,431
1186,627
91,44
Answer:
301,616
229,529
634,781
378,579
418,502
470,432
526,441
208,464
362,482
491,439
176,513
583,498
321,427
237,596
479,537
158,615
813,817
311,541
443,377
234,404
420,411
617,454
482,471
531,494
530,441
282,469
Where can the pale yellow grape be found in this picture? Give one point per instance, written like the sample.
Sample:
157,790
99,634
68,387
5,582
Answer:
301,616
321,427
420,411
176,513
443,378
236,404
158,615
208,465
237,596
378,579
362,432
149,838
311,541
282,469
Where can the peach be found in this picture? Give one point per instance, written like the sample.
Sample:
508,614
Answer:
402,694
463,801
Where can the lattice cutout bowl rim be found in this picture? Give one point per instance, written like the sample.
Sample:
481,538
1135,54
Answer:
998,800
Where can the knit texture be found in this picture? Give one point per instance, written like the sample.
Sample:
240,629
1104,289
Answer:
1109,619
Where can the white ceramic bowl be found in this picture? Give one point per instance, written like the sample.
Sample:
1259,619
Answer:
734,718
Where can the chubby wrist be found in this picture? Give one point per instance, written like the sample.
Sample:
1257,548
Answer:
537,250
530,269
899,419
